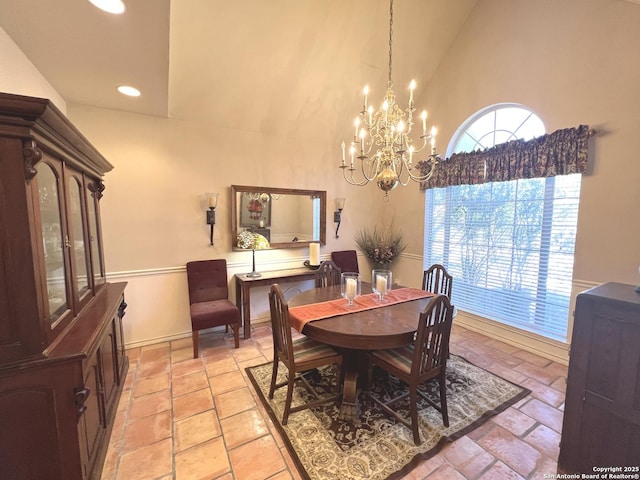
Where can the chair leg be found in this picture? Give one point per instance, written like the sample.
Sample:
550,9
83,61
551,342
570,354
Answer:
194,338
287,404
413,408
443,399
236,335
274,375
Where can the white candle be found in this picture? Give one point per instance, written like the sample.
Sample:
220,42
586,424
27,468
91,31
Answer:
381,284
342,153
366,92
424,122
350,287
412,87
314,254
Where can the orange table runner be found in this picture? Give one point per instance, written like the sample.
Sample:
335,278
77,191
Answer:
299,316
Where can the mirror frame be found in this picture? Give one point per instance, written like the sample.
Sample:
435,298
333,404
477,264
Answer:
322,194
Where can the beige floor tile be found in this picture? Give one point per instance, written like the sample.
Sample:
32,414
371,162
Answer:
257,460
234,402
189,383
243,427
196,429
192,403
226,382
147,463
517,454
219,366
499,471
182,343
182,355
467,457
549,416
146,431
193,365
145,386
150,404
203,462
150,369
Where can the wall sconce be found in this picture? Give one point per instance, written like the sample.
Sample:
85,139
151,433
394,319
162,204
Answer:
212,202
337,215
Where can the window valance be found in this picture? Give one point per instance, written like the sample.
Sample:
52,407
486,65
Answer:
559,153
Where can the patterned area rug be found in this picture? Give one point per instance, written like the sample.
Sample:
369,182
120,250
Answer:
376,446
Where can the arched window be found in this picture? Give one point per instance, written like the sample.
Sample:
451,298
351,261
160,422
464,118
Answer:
509,245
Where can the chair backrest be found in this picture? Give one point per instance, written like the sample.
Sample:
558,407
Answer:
207,280
431,346
437,280
280,326
347,260
328,274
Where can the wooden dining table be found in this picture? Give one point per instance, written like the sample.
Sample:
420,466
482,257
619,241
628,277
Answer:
354,334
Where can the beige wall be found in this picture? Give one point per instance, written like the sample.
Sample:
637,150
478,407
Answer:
571,61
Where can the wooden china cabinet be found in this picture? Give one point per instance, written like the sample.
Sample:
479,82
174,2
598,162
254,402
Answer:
62,357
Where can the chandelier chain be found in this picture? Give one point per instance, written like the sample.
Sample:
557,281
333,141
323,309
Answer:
390,37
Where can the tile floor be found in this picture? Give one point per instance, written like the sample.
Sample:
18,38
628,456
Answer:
183,418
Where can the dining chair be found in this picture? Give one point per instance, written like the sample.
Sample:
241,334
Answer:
209,304
347,260
328,274
436,279
423,360
298,356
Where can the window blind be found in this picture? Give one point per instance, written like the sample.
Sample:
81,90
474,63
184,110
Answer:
510,247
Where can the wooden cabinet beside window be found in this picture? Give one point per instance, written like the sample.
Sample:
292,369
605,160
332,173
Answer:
602,410
62,356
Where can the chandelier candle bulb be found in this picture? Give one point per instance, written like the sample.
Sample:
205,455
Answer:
412,87
314,254
343,153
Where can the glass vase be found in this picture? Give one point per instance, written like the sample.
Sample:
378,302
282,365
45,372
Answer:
381,281
350,286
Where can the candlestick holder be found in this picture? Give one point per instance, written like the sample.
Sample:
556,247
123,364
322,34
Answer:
350,286
381,281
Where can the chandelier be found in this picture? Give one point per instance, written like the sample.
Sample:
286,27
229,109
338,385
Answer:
388,131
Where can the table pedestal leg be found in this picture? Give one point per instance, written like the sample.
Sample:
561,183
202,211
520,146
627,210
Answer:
349,408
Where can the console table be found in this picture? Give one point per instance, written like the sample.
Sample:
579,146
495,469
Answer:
244,284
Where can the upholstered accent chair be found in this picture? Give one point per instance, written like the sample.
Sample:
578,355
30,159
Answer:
347,260
209,300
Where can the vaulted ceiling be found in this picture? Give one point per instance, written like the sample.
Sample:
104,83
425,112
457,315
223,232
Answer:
231,61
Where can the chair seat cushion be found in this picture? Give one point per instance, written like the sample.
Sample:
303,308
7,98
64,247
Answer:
399,358
306,350
213,314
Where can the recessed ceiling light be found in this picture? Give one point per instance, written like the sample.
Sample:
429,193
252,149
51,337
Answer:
130,91
111,6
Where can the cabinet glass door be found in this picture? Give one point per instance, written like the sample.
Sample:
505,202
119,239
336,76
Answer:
77,243
52,240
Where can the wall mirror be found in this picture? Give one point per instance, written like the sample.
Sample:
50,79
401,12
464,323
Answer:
287,217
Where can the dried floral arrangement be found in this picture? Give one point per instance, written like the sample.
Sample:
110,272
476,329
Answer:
381,244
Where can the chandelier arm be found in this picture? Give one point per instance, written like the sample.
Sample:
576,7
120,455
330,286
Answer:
352,180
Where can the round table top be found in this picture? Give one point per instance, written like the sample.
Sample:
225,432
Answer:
385,327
